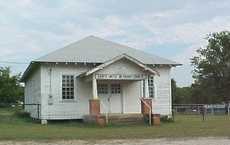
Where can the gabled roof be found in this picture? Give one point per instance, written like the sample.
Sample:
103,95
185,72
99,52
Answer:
96,50
109,62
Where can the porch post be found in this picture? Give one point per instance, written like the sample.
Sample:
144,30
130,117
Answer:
94,104
95,96
146,87
141,89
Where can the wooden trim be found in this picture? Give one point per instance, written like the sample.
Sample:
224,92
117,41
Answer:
146,68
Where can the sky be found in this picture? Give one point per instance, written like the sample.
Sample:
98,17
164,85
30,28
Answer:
173,29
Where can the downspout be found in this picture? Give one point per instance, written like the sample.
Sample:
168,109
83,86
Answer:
50,99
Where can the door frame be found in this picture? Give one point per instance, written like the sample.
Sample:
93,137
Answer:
110,95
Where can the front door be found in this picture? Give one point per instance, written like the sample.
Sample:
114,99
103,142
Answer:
110,96
115,98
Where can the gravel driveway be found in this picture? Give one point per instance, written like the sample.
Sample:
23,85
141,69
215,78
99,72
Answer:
185,141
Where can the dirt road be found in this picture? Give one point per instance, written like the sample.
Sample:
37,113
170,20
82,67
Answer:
164,141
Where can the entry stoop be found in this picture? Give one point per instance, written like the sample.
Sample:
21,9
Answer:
125,119
118,119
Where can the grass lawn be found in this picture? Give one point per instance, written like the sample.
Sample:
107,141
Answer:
14,127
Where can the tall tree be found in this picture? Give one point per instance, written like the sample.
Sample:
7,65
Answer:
10,89
212,68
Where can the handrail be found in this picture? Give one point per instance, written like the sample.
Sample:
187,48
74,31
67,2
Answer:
150,110
106,112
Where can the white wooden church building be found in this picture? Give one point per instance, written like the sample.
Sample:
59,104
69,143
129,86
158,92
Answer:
65,82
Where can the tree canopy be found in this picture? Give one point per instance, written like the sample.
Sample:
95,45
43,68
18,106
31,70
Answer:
10,89
212,69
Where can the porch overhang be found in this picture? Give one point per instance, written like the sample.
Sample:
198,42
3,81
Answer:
121,76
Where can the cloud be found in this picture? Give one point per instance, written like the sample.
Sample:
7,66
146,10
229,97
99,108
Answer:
31,28
195,33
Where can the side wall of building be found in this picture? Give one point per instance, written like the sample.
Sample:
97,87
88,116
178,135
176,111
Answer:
162,102
33,93
45,87
53,106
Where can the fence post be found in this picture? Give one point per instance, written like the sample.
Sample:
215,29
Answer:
228,109
173,115
203,112
212,109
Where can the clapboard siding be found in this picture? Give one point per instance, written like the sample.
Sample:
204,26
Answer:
64,109
122,66
33,93
38,88
162,101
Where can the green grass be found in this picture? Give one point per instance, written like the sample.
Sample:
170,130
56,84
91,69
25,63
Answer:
15,127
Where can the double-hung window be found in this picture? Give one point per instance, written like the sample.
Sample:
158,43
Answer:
67,87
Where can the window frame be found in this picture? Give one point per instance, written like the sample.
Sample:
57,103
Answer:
100,89
115,89
74,88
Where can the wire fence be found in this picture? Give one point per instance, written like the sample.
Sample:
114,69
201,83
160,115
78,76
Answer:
35,108
202,112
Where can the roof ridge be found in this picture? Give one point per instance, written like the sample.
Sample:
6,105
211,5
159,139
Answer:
95,49
123,45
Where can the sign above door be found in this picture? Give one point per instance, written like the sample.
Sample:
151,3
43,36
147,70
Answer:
121,76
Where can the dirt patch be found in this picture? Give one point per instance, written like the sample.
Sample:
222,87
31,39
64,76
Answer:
164,141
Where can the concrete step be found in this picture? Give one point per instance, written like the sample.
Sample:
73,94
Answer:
126,118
